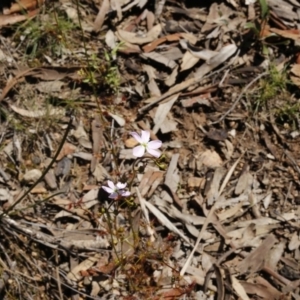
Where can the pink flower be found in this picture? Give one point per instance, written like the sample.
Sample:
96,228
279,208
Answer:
116,191
145,144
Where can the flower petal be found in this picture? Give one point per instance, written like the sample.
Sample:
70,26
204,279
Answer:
155,153
111,184
154,144
107,189
145,136
121,185
138,151
136,136
114,196
125,193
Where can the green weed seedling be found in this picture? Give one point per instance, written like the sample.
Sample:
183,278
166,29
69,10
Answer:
271,87
274,98
45,35
102,72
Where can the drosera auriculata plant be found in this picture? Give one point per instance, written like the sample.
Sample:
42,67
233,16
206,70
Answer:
131,250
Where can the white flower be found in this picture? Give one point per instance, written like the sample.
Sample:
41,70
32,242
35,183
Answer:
117,190
146,145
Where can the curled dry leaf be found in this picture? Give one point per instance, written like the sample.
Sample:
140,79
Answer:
134,38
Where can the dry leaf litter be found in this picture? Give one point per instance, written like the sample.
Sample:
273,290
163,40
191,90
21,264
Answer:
216,216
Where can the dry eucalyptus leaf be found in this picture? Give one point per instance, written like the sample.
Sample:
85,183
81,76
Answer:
168,125
215,61
39,189
100,173
217,134
228,149
66,150
82,137
110,39
63,167
162,111
275,255
231,212
171,79
48,87
255,260
196,182
116,5
188,61
267,200
131,142
294,242
50,179
118,119
157,57
244,182
239,288
95,289
90,198
75,273
211,159
32,175
214,187
83,155
5,195
58,112
101,15
165,221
